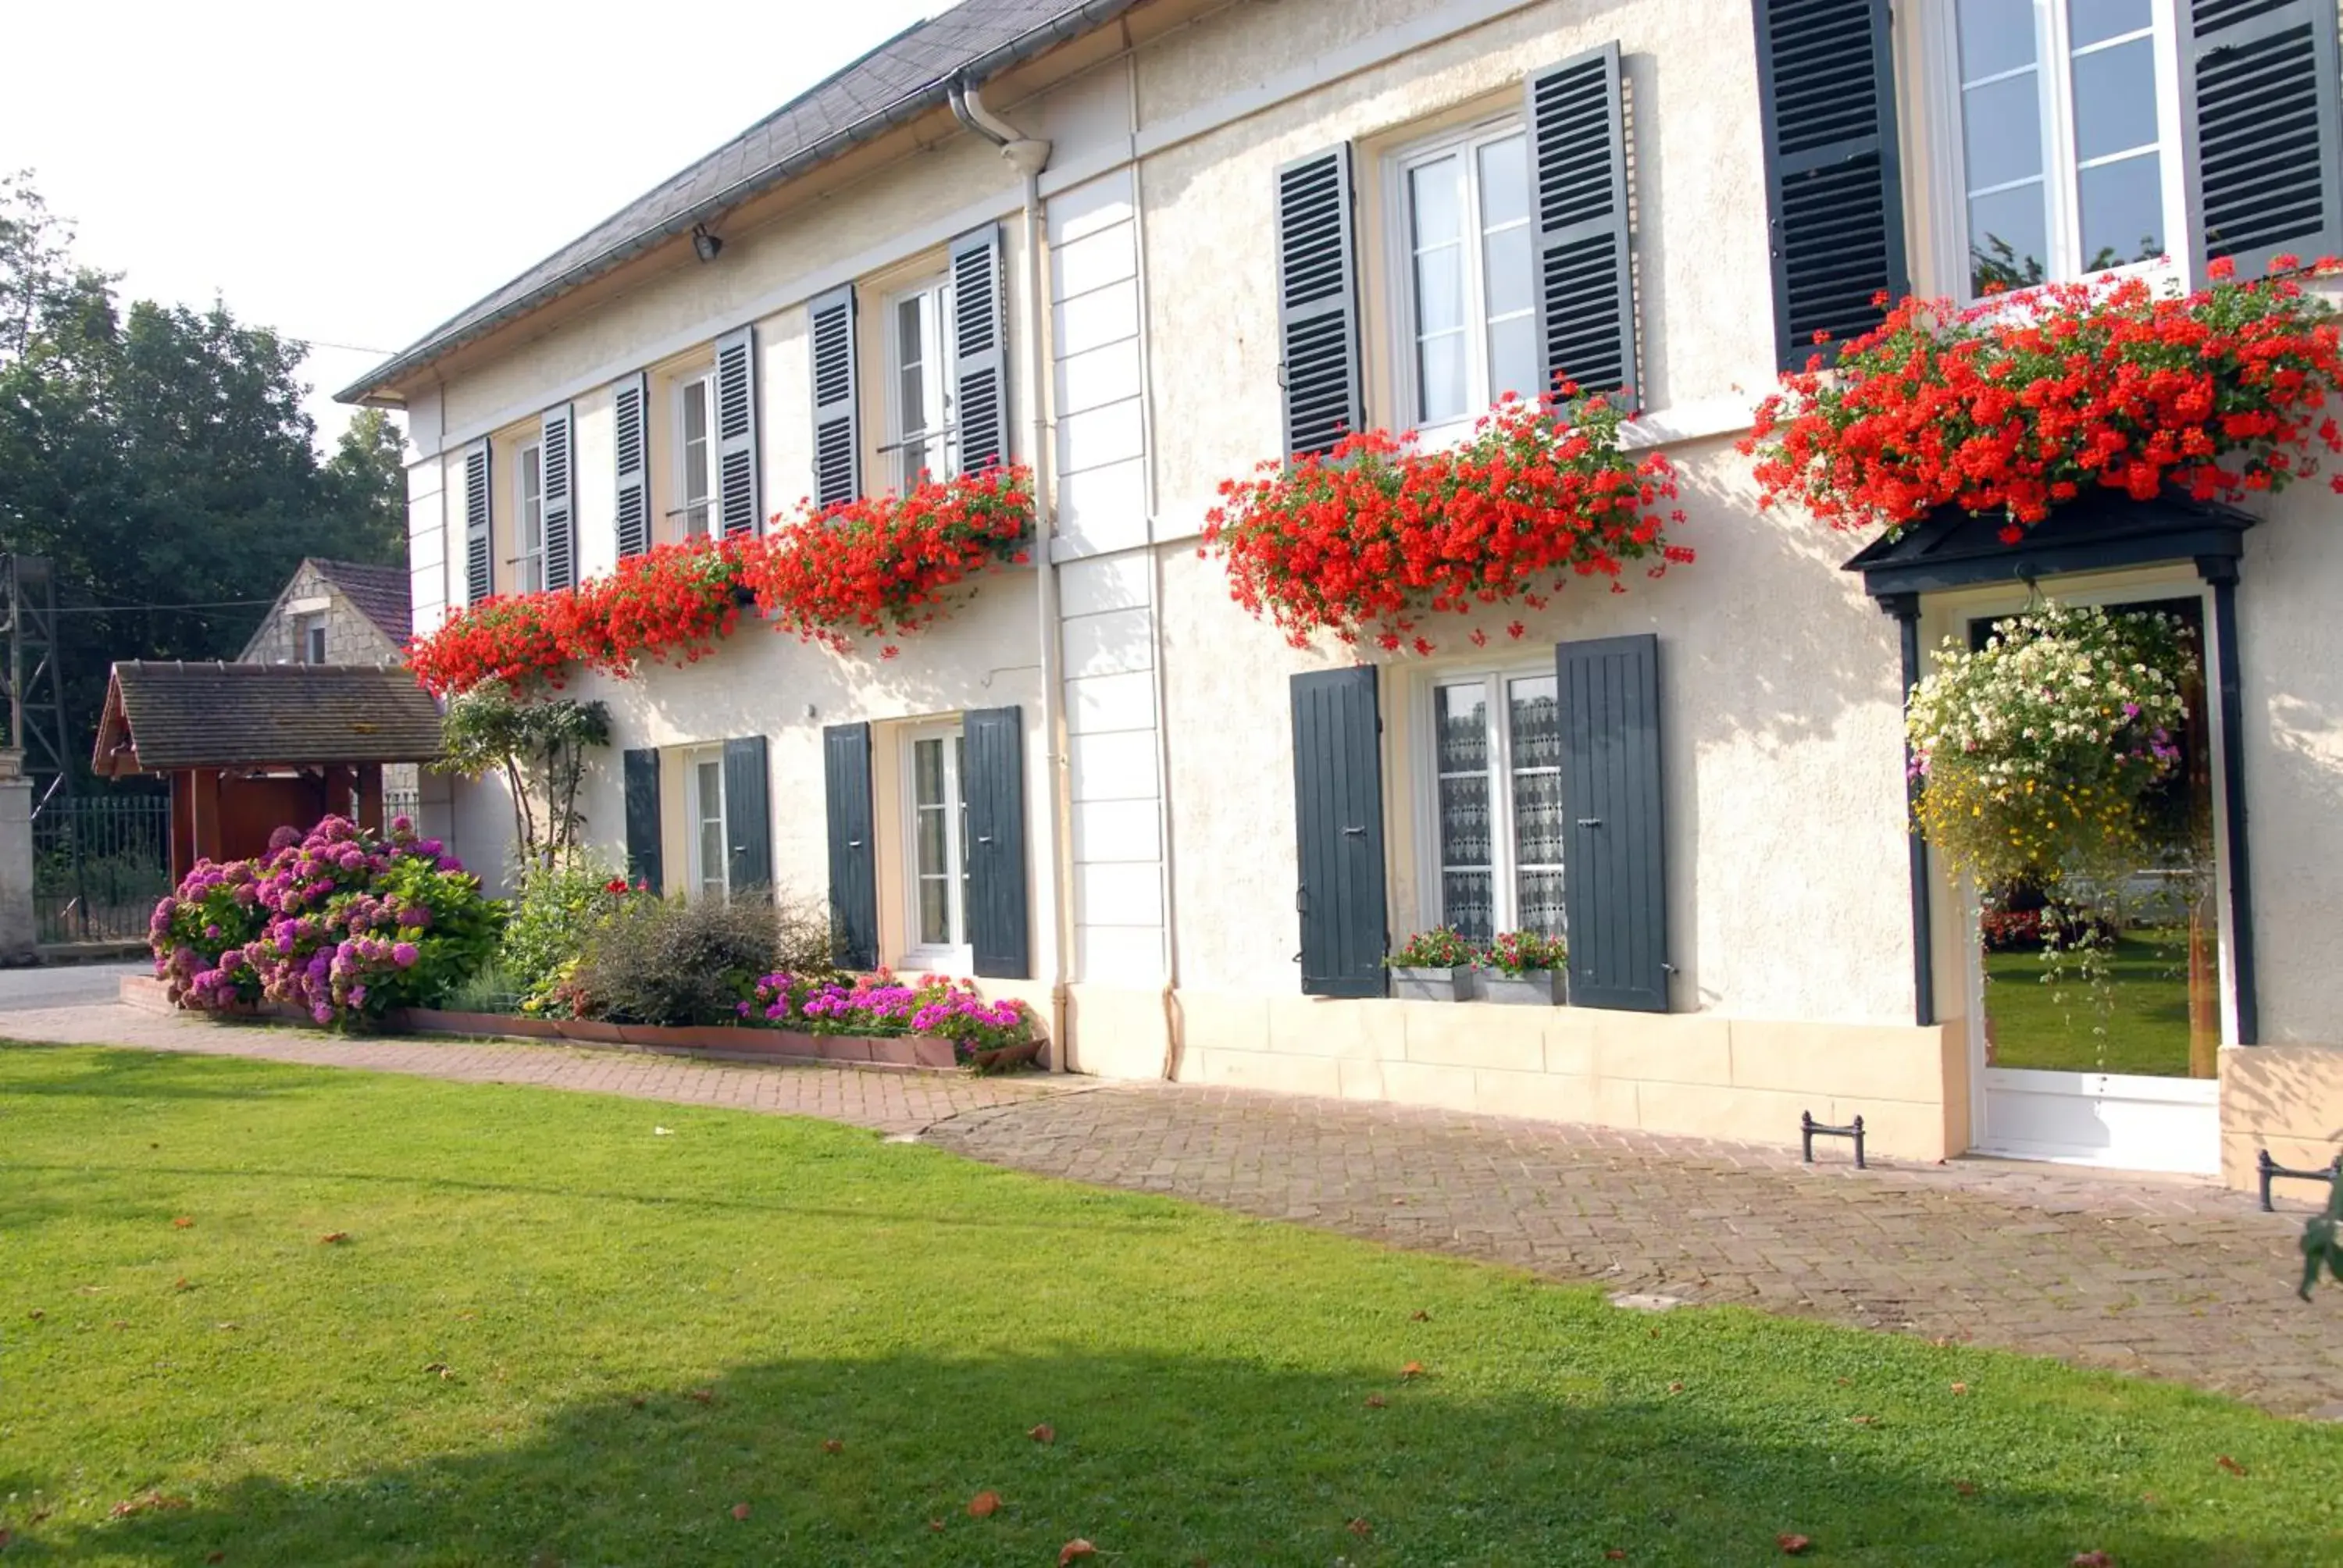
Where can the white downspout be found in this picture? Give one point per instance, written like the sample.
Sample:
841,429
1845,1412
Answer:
1029,156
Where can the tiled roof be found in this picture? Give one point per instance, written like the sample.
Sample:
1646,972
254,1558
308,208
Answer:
906,76
377,593
165,716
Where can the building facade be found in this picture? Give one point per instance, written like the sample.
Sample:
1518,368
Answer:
1148,246
336,612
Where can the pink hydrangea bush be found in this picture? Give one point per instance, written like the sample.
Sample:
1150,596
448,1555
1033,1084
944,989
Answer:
882,1005
342,924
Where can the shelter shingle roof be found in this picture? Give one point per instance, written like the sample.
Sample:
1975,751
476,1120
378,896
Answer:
160,717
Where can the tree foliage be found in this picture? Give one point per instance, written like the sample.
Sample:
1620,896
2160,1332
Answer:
538,748
159,456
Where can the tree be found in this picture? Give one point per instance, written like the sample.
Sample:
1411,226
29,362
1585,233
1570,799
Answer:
539,748
367,476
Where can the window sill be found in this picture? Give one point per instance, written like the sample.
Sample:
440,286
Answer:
949,962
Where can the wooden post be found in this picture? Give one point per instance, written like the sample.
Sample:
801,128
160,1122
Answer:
370,796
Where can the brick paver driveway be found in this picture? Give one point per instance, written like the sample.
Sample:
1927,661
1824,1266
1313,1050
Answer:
2169,1279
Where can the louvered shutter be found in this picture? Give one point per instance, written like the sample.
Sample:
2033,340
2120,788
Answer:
630,407
853,866
1338,825
641,775
980,351
1834,190
747,816
558,511
2262,85
836,428
993,780
1317,302
736,430
1585,292
479,565
1615,862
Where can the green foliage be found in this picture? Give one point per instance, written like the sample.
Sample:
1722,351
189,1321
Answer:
463,933
553,916
366,481
673,961
538,746
1441,948
2322,1241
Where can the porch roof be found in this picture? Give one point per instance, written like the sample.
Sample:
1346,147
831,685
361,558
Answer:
2099,530
163,716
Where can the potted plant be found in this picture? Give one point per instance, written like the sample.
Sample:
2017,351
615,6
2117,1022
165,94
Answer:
1436,965
1525,969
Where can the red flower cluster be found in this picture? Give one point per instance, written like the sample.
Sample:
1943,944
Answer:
2017,405
1368,540
882,564
869,565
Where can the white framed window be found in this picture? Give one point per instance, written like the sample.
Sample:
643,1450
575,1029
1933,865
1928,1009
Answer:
708,852
695,453
1489,821
935,837
923,392
2058,128
1460,245
529,513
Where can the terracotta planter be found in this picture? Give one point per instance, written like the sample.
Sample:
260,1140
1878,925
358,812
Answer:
442,1020
589,1032
1534,987
1413,984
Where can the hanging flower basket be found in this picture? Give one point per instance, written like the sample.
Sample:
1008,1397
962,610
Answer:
2013,406
1376,537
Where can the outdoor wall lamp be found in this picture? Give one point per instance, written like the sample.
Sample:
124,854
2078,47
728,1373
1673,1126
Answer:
704,245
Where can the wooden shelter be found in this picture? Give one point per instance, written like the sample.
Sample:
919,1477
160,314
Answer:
252,748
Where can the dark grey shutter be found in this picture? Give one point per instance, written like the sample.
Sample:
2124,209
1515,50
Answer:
980,351
1614,865
1585,292
2263,83
853,867
642,777
992,777
479,565
747,815
1834,190
1338,828
736,430
836,428
1317,302
558,510
629,406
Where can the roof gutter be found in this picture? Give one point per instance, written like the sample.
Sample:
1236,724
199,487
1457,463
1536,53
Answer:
1072,24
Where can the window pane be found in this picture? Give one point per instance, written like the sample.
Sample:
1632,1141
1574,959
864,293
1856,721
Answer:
1461,721
2115,99
1465,904
929,823
935,912
1541,900
1464,821
1504,182
1440,289
2095,20
2123,212
2001,131
1536,722
1505,270
1437,202
1997,36
1439,365
928,772
694,414
2009,241
1514,363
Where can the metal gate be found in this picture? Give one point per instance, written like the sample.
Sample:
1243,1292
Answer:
99,865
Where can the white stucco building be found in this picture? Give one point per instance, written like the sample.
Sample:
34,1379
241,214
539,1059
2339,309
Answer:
1202,232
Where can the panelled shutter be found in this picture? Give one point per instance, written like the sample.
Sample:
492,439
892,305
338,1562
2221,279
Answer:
630,407
1585,284
980,349
837,425
1833,189
747,815
853,865
558,510
1614,864
2262,83
735,431
1338,826
993,780
643,781
479,566
1317,302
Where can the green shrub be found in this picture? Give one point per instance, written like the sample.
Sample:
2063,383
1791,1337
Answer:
553,917
670,962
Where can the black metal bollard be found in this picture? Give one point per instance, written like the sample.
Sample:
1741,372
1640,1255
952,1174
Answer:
2271,1171
1808,1127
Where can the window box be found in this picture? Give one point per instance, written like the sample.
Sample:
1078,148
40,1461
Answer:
1410,983
1532,987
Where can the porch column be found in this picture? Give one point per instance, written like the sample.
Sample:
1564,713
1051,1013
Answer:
19,931
1906,609
2221,573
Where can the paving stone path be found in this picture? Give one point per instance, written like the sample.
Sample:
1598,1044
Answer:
2168,1279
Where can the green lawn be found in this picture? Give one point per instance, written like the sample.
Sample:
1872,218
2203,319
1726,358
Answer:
2044,1024
642,1335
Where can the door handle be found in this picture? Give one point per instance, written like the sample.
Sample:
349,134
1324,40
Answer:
1590,821
984,838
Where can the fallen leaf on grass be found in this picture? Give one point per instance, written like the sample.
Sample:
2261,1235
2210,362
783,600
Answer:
702,1396
183,1283
2231,1466
984,1505
36,1314
2091,1559
1376,1401
227,1328
1864,1420
214,1556
1044,1432
1791,1545
637,1402
1419,1316
1676,1388
120,1323
5,1538
442,1368
153,1502
1614,1554
831,1446
739,1510
936,1526
661,1133
1360,1528
1966,1488
182,1222
1960,1387
1412,1368
333,1238
1077,1547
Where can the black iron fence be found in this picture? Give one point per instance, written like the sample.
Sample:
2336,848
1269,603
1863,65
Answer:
99,864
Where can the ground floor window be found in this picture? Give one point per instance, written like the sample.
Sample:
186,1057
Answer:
935,807
1496,757
704,807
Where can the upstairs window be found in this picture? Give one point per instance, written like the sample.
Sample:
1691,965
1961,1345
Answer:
311,634
694,449
1470,325
529,560
923,405
2068,114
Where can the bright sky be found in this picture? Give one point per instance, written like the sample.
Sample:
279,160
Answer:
353,174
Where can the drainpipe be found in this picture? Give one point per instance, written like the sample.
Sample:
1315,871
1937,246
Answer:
1029,156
